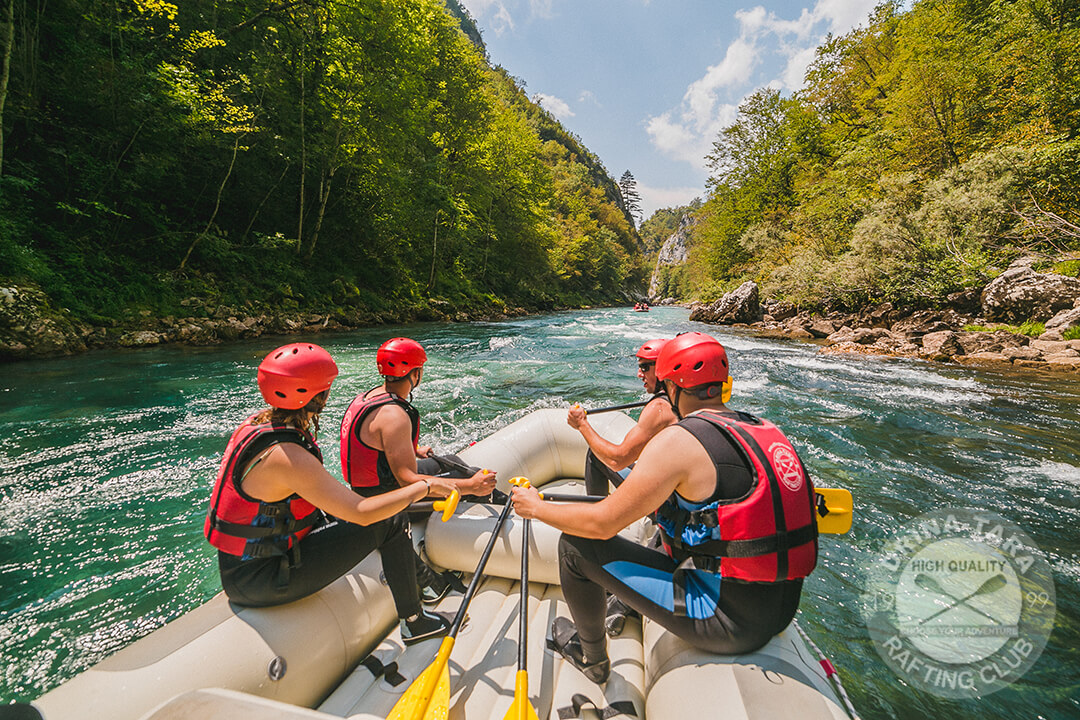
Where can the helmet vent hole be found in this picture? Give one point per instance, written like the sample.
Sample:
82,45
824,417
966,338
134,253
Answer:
698,364
677,367
295,350
301,390
280,394
278,355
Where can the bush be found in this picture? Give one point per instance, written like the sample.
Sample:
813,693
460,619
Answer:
1069,267
1029,328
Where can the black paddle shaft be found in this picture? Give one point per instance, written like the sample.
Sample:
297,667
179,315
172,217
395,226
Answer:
523,621
475,582
627,406
556,497
453,465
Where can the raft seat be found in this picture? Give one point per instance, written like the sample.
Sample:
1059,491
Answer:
763,685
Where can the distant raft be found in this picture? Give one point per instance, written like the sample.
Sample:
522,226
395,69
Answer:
339,654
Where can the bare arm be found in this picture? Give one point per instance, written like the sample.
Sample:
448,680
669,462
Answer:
288,468
654,417
653,479
392,431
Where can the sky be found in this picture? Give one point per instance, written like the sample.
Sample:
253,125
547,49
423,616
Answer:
648,84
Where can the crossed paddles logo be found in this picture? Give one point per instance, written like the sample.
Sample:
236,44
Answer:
960,603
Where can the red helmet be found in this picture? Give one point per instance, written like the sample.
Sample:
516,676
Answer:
693,359
293,374
651,349
397,357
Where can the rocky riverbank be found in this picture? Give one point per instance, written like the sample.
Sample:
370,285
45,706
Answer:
30,327
974,329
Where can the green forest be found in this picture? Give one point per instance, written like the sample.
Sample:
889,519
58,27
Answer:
928,149
302,155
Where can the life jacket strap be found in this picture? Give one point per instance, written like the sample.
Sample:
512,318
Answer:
710,552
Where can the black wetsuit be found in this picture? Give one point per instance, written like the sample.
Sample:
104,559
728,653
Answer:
324,555
723,616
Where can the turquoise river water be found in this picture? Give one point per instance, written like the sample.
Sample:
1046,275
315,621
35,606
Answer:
106,461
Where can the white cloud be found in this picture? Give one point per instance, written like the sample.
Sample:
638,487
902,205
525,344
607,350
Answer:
711,103
494,11
843,15
654,198
588,96
685,138
733,71
556,106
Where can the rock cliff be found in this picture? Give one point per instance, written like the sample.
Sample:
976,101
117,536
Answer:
672,253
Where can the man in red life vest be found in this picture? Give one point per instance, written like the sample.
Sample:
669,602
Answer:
380,435
607,462
736,511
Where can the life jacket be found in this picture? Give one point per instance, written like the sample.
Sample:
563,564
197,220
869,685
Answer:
769,534
363,467
241,525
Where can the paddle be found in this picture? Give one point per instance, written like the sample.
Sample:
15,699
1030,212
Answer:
834,507
521,708
453,464
991,584
429,695
627,406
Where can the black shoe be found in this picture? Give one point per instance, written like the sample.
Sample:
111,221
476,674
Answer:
440,585
617,613
423,626
566,641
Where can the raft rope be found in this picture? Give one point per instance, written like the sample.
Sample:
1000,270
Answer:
830,673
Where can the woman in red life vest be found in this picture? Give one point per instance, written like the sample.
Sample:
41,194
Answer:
268,511
736,511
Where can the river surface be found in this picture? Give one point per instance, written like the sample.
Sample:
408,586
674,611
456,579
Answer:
106,461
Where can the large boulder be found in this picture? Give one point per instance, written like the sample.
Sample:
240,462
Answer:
780,310
31,327
941,346
1020,294
741,305
1057,325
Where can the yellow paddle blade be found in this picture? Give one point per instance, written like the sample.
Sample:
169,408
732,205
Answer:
428,698
521,708
834,510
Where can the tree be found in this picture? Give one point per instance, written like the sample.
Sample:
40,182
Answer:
5,69
630,197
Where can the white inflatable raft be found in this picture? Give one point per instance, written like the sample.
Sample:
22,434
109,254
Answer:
338,653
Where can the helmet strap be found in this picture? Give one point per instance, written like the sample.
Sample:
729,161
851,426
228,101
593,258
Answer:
674,399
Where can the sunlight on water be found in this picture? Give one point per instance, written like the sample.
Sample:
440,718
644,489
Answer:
106,461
